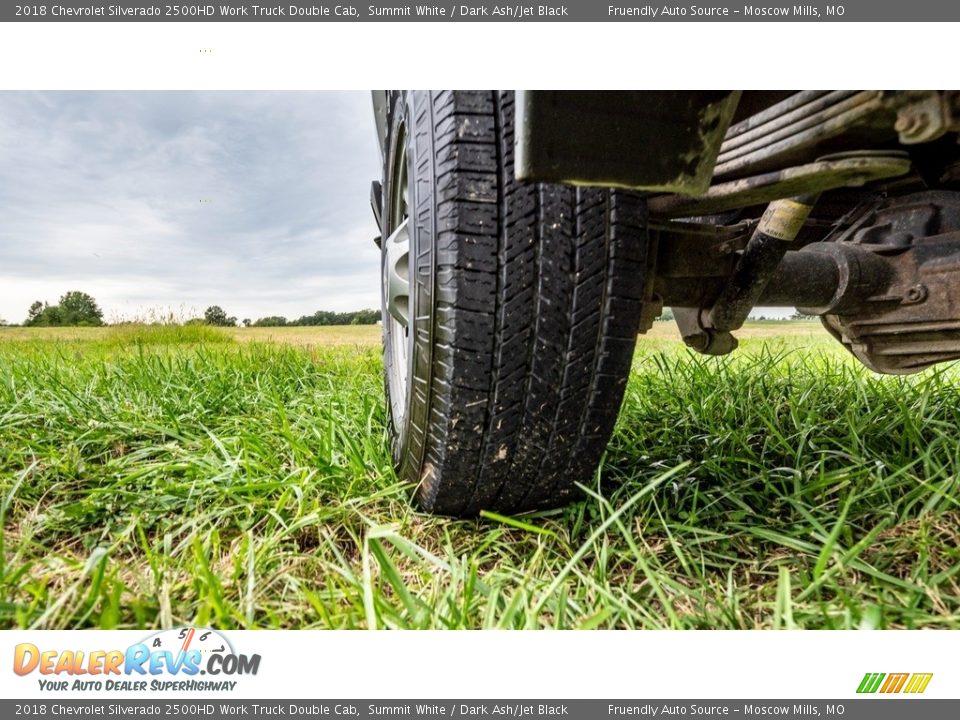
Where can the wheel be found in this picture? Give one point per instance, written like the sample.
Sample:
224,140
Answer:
510,310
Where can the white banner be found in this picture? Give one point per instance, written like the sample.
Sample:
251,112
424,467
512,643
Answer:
449,665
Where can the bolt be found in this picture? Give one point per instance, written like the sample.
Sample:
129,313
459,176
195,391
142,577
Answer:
711,342
697,341
916,294
911,123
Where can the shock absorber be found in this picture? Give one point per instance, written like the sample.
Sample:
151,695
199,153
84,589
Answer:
775,233
709,330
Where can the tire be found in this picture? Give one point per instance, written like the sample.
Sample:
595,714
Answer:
521,314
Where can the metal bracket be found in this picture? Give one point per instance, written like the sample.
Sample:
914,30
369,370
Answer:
827,173
927,117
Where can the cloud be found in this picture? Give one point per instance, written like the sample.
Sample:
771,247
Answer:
256,201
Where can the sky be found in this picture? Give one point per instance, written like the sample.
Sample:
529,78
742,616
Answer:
157,202
169,202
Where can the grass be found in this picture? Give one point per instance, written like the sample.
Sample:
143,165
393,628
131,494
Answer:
138,335
159,479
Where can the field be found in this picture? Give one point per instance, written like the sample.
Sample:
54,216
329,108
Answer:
151,477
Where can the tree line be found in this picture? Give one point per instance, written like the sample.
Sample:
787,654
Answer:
78,309
216,315
323,317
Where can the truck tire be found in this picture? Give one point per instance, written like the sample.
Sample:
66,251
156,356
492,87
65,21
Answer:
510,310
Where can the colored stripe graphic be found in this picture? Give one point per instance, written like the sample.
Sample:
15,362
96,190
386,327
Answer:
870,682
918,682
894,683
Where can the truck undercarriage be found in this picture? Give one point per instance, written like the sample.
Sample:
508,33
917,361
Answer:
844,204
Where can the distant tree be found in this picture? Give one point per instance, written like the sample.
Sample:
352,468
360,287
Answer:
75,308
271,321
246,322
797,315
51,316
39,315
666,315
215,315
78,308
36,309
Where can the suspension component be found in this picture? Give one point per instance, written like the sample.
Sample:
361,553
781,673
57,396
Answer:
821,278
915,321
709,331
885,281
851,169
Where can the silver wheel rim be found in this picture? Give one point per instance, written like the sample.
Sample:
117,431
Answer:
396,288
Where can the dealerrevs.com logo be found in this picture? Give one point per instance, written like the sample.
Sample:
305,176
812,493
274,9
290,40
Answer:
169,660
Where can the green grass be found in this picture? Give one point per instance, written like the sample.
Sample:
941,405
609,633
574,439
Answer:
137,334
174,480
